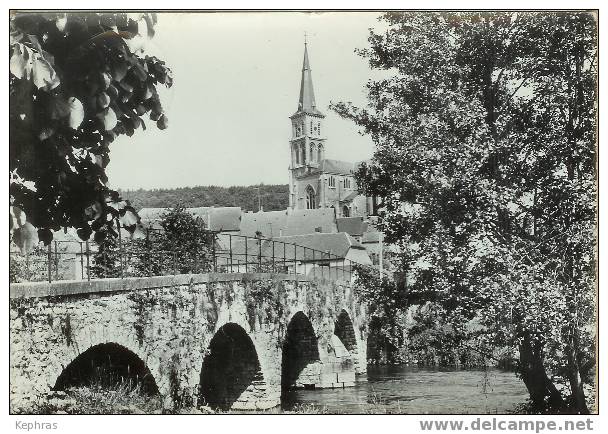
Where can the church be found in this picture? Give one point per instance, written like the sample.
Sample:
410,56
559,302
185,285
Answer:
325,212
314,181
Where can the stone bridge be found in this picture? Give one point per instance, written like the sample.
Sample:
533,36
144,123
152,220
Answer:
224,340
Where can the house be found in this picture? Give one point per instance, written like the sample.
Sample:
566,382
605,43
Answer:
298,253
326,249
353,226
272,224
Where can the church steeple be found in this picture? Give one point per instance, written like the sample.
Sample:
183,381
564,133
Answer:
307,140
307,93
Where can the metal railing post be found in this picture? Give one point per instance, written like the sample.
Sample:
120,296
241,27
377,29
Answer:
49,253
81,262
148,254
304,260
56,262
88,261
230,250
259,255
246,253
295,258
273,266
314,264
122,267
285,256
213,240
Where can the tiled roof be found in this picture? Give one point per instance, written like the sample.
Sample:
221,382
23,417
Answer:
269,223
350,196
308,221
215,218
148,214
371,237
354,226
224,219
336,166
338,244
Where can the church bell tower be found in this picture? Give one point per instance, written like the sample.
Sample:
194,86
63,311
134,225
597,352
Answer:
307,142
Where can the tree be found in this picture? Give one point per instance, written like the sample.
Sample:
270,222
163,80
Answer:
486,167
386,308
107,259
182,246
77,81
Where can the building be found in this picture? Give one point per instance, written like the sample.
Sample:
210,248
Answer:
217,219
272,224
314,181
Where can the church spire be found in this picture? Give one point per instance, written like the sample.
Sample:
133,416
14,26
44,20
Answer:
307,94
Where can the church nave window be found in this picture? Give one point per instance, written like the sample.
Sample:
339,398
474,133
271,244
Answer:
346,183
332,182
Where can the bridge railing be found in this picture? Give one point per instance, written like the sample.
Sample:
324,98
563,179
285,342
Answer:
222,253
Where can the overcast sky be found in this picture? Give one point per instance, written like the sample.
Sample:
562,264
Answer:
237,78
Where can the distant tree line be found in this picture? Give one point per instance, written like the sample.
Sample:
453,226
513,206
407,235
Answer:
272,197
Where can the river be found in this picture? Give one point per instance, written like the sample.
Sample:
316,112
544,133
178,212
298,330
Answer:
413,390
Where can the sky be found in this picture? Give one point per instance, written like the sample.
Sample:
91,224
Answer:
236,82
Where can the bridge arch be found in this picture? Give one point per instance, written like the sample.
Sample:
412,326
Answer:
345,331
300,354
107,365
231,375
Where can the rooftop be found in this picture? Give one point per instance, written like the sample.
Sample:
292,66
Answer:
354,226
215,218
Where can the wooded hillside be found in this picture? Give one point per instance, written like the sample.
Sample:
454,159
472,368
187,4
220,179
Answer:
272,197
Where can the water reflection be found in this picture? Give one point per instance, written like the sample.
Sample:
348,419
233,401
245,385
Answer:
406,389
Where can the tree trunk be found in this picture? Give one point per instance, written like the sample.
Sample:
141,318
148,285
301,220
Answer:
579,403
543,393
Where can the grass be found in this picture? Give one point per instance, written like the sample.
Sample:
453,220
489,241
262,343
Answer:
122,398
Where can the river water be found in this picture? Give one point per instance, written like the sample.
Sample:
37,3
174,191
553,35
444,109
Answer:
413,390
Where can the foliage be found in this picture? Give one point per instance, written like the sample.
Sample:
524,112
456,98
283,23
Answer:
386,308
182,246
486,168
77,81
273,197
121,398
28,268
107,260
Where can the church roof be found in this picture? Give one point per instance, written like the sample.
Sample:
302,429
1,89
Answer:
350,196
307,103
335,166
